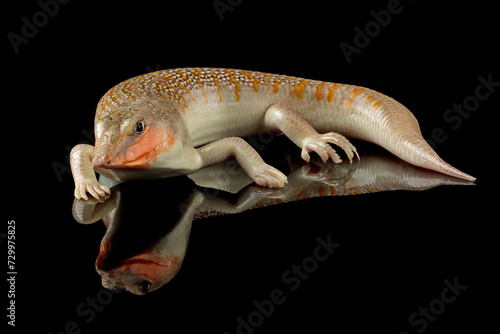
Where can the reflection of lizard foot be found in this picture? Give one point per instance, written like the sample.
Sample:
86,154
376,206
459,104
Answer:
329,173
276,193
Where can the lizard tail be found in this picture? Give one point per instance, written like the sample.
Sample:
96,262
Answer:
421,154
399,133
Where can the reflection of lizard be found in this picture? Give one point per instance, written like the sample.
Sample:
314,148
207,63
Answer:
141,253
373,173
153,125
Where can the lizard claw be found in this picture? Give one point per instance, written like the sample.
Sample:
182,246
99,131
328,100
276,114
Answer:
320,145
270,177
92,187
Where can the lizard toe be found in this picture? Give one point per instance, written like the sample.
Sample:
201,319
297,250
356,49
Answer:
270,177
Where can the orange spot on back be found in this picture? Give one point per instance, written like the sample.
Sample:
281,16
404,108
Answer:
168,78
319,90
376,105
237,87
255,85
318,93
203,92
275,86
189,94
218,86
368,99
331,92
354,93
298,90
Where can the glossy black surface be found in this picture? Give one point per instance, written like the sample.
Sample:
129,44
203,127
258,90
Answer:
393,250
148,227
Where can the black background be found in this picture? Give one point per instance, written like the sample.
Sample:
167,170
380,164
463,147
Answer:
396,249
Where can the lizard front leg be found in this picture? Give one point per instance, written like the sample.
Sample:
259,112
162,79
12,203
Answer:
234,147
83,173
280,118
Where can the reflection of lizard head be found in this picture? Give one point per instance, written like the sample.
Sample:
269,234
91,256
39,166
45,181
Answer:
147,235
140,273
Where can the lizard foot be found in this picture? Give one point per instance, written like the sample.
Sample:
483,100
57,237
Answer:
320,145
269,176
92,187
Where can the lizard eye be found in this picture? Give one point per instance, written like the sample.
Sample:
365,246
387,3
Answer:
139,127
144,286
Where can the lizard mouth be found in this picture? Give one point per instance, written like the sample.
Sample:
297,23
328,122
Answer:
110,161
103,162
135,152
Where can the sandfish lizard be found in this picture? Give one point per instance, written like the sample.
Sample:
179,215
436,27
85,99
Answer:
174,122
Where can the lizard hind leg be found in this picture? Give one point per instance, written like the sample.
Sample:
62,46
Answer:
319,143
281,118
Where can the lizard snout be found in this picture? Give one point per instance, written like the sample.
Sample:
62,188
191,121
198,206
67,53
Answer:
102,161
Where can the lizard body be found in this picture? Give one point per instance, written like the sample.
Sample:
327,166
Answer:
174,122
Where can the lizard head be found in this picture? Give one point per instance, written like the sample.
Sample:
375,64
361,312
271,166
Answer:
135,134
